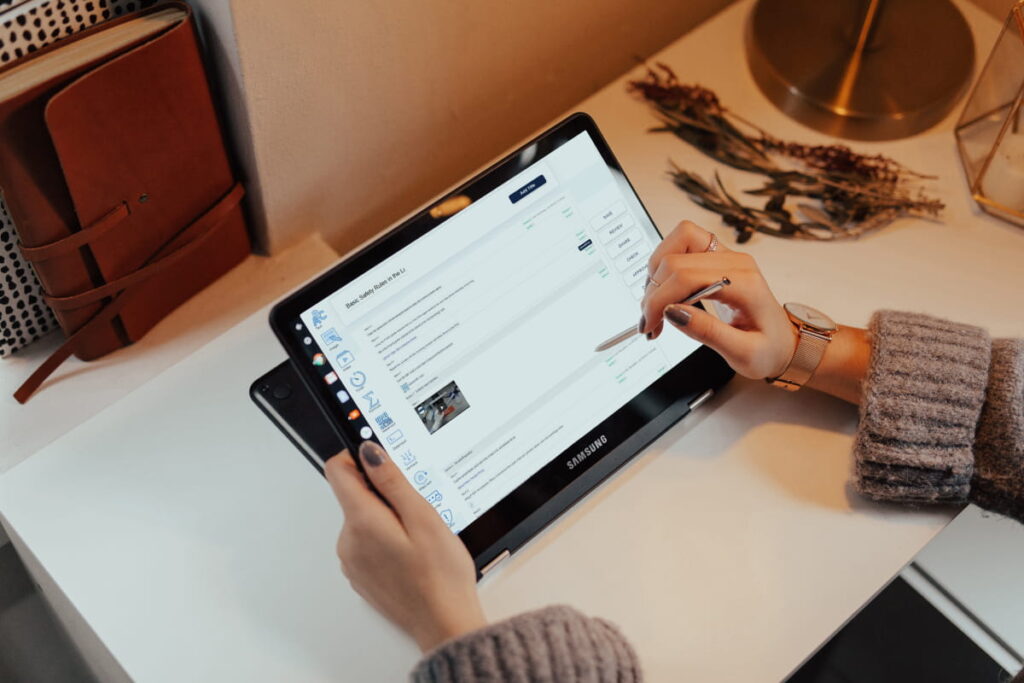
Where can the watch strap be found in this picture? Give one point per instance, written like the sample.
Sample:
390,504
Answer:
810,348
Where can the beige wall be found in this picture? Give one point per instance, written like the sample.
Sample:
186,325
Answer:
361,111
346,115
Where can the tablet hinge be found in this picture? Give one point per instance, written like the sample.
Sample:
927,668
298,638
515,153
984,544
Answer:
504,554
700,400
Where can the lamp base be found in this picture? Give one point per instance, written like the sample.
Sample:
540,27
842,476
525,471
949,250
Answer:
861,69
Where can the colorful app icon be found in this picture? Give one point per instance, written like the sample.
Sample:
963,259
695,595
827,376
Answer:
354,414
366,432
343,396
331,377
319,359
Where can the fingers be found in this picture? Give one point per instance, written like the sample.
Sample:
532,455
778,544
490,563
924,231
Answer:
687,238
726,263
412,509
681,275
736,346
349,485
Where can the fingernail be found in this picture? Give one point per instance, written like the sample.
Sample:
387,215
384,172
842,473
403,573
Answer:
642,325
678,315
371,453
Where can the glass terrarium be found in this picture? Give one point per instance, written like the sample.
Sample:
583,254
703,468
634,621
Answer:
990,134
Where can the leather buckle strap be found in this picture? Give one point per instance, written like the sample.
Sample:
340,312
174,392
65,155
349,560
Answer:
203,228
76,240
202,224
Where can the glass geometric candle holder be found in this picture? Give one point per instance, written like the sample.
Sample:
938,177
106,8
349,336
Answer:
990,133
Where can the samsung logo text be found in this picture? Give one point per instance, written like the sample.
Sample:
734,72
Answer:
587,451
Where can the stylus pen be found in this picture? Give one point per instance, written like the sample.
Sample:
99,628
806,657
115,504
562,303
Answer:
688,301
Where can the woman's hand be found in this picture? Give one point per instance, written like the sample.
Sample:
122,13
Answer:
398,554
760,340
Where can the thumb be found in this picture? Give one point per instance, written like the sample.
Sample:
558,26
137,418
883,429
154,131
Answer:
705,328
392,485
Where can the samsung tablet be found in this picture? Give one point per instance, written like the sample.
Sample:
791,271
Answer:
463,341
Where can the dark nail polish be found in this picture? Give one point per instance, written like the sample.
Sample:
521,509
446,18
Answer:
678,315
371,453
642,325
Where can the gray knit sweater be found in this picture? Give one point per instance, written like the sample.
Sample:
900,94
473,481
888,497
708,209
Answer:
942,421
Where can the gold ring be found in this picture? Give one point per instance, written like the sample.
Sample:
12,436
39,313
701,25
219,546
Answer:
713,244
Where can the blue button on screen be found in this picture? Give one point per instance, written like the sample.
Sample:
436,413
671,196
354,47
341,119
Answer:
527,188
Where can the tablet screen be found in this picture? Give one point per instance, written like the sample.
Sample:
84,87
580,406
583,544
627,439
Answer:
469,352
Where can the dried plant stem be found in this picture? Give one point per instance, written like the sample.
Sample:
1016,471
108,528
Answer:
856,193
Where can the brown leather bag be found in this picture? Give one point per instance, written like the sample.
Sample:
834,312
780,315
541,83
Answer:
120,187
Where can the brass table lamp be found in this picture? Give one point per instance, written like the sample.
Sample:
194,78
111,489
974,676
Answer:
861,69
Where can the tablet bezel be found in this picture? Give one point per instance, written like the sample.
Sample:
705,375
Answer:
555,487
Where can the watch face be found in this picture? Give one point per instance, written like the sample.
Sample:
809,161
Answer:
811,317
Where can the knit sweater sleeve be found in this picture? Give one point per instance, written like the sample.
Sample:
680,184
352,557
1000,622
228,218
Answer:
941,415
551,645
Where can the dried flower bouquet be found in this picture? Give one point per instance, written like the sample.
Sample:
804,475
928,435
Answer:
855,193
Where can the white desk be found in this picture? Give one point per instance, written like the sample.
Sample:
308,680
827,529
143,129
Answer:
79,390
196,545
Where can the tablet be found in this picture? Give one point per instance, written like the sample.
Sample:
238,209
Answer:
463,341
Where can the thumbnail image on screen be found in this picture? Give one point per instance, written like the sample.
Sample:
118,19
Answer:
442,407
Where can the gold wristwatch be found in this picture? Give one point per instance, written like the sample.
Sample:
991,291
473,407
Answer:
816,330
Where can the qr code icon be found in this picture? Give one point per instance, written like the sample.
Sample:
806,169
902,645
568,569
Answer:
384,421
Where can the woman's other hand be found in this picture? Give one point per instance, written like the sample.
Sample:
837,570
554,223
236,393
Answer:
399,555
760,340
